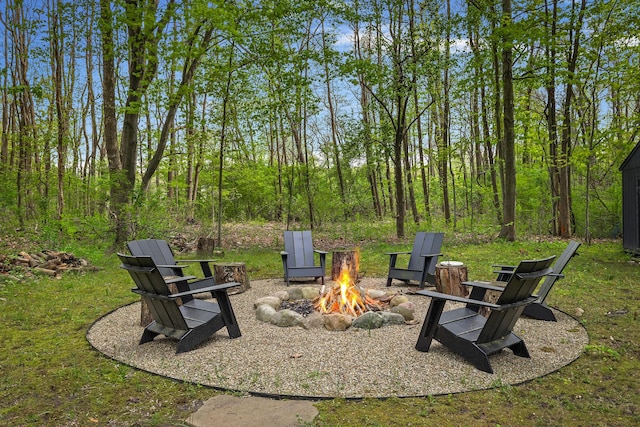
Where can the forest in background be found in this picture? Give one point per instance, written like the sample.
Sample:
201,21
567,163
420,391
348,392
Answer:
479,116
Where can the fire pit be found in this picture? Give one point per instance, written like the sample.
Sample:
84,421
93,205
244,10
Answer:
341,306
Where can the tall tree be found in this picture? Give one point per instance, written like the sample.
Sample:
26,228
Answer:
563,161
508,230
57,66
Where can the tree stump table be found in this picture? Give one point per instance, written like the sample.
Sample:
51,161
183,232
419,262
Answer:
232,272
206,245
348,259
449,278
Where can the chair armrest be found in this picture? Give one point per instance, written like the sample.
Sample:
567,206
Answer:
198,260
545,272
504,266
284,253
509,272
397,253
439,295
484,285
179,279
214,288
171,266
430,255
320,252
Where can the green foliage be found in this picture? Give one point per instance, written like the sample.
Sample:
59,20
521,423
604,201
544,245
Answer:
248,193
8,197
533,208
266,66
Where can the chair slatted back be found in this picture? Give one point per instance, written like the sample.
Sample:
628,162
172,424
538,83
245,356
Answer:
150,282
159,251
425,243
520,286
299,245
564,258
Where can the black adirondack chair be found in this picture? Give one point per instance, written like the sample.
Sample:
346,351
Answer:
422,261
474,337
190,323
298,256
162,255
539,309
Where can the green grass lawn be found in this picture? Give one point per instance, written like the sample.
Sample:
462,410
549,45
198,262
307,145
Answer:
52,377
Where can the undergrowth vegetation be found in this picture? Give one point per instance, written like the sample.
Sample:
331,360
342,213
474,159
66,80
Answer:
50,376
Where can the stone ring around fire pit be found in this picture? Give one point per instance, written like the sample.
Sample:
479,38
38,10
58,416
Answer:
338,309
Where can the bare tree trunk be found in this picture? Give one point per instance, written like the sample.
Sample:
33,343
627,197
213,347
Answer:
397,170
27,136
365,106
497,175
552,123
508,230
225,102
171,169
92,149
118,195
334,126
389,181
565,223
476,136
446,115
57,65
190,136
443,160
409,175
6,107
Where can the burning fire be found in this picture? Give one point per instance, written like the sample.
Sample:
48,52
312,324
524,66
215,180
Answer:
345,298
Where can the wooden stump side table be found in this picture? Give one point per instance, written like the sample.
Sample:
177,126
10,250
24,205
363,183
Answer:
449,278
232,272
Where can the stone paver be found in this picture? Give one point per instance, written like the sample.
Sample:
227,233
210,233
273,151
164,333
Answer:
250,411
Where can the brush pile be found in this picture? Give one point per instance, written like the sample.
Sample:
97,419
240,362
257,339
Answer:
51,263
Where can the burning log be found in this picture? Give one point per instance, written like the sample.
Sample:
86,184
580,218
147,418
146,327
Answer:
345,298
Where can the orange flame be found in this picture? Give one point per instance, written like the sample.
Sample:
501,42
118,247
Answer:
345,297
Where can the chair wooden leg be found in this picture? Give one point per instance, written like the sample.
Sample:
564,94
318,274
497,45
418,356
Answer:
479,359
540,312
469,351
430,324
192,339
148,335
520,349
423,278
206,270
222,298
